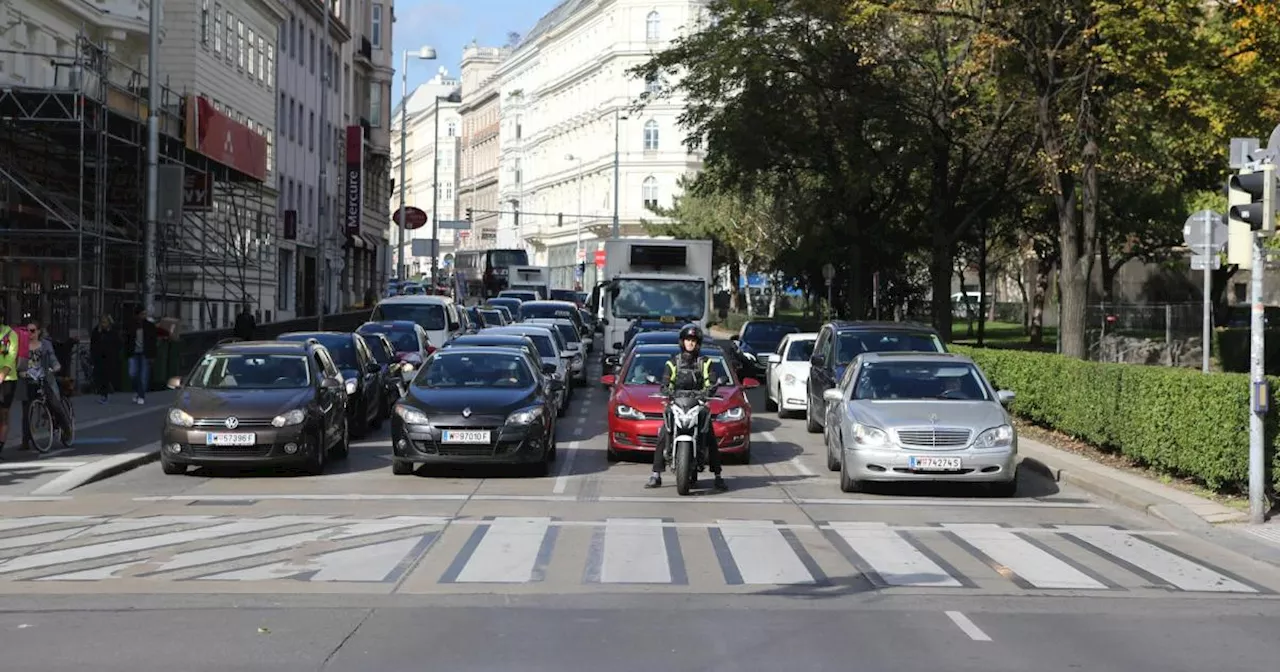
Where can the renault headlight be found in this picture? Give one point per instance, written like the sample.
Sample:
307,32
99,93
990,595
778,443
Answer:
351,386
864,435
996,437
181,418
412,416
628,413
294,417
731,415
526,416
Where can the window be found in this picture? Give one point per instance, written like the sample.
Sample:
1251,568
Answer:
650,135
282,113
375,25
451,129
649,191
651,85
282,38
294,31
217,29
652,26
269,65
253,54
241,49
261,56
311,131
375,105
312,34
204,22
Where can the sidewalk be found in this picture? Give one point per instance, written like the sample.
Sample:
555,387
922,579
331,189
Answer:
120,407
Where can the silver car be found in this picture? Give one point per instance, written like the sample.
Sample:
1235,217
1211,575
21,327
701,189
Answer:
573,342
920,416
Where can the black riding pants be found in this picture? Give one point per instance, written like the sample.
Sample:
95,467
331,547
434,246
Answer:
708,436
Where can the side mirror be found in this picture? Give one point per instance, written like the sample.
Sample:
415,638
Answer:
817,361
549,369
608,380
833,395
454,326
174,383
617,345
1005,396
773,358
604,320
750,383
557,385
331,384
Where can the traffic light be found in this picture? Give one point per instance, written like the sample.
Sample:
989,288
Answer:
1256,204
468,214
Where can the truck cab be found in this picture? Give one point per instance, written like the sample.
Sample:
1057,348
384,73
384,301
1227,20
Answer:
651,279
532,279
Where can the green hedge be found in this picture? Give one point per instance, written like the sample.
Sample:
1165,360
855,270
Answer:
1178,421
1232,348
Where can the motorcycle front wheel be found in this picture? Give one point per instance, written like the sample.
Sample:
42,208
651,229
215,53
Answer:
684,468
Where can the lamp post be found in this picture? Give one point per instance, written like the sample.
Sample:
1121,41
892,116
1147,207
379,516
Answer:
435,195
425,54
579,256
322,211
617,123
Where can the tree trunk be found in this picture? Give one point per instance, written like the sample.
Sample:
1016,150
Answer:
982,281
735,280
941,267
1039,294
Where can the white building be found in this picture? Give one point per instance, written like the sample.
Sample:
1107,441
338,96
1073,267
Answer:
565,91
301,60
432,112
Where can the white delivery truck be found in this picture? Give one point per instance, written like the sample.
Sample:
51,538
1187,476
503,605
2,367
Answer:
651,279
530,279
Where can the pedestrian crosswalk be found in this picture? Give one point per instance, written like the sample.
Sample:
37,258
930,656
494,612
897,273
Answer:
461,554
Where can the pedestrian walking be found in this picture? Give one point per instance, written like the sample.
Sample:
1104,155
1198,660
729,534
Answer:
105,349
140,337
245,324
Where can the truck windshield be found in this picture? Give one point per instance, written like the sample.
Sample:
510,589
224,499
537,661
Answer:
649,298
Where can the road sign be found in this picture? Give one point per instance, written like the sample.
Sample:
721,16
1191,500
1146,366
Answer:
1194,232
599,258
828,272
457,224
414,218
1200,262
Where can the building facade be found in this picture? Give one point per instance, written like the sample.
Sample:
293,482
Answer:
307,61
566,97
434,130
480,112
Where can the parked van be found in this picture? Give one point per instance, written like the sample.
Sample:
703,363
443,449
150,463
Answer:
438,315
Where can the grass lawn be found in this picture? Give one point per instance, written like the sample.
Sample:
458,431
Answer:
1007,335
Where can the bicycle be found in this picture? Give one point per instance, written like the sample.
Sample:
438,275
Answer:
41,421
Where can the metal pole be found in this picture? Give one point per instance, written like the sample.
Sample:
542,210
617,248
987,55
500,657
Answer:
153,161
1257,374
322,230
617,121
401,267
435,196
580,258
1206,337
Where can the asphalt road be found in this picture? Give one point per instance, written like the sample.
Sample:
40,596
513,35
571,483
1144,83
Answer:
484,569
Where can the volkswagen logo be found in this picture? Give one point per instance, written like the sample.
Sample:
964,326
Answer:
466,412
233,422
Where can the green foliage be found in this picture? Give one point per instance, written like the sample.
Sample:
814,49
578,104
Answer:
1178,421
1232,346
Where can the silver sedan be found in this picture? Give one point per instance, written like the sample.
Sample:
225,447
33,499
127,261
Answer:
915,416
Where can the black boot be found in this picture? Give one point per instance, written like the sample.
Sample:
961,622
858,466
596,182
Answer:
655,481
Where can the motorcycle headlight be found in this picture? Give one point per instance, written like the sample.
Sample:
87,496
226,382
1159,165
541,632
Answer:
864,435
526,416
294,417
351,386
628,413
735,413
180,418
996,437
412,416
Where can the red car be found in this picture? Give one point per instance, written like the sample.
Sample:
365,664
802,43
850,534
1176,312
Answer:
635,415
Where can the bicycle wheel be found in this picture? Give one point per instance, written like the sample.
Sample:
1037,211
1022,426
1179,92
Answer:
68,429
40,420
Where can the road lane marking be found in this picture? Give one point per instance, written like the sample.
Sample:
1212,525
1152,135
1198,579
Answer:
758,553
1024,559
1153,561
637,499
894,560
363,564
48,465
508,550
633,550
968,627
566,468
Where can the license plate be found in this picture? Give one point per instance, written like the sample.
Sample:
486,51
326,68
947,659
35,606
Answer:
230,439
935,463
464,436
667,319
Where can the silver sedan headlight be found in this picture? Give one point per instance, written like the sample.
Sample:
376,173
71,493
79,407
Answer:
996,437
866,436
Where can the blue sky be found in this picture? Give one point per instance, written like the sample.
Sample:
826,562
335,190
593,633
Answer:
449,25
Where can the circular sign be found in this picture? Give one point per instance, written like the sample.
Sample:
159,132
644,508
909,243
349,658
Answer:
828,272
1204,232
599,258
414,219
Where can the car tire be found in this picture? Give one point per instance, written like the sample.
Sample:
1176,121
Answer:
343,449
770,405
172,468
848,483
611,455
811,425
315,465
833,462
401,468
540,469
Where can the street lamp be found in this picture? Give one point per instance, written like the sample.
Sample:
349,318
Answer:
618,116
424,54
580,257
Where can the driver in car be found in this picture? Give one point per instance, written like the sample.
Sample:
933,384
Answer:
688,370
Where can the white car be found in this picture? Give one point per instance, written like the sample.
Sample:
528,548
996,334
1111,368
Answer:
787,374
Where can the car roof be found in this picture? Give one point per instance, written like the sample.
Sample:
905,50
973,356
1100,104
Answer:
417,298
672,348
490,337
567,305
473,349
262,347
843,326
915,356
314,334
801,336
403,324
520,328
548,320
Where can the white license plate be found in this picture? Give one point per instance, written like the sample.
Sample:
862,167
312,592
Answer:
464,436
935,463
230,439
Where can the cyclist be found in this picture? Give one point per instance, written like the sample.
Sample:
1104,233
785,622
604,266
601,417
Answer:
42,365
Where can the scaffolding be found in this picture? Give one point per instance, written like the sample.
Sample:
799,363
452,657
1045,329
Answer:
73,203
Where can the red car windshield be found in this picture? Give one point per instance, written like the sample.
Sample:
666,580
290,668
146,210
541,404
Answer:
655,364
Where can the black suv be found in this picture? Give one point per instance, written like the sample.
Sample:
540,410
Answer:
366,389
254,403
840,342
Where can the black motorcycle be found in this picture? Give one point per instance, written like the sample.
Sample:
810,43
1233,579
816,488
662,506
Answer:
685,450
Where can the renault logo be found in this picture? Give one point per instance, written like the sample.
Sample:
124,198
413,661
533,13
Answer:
466,412
233,422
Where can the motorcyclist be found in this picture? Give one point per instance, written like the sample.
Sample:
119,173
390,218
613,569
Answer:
687,370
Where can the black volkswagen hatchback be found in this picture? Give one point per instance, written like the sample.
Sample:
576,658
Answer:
476,405
366,388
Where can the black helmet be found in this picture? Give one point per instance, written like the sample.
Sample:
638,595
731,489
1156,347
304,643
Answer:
691,331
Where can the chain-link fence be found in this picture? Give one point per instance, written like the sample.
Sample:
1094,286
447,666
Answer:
1167,334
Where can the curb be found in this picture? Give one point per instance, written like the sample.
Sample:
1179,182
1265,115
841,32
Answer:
100,469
